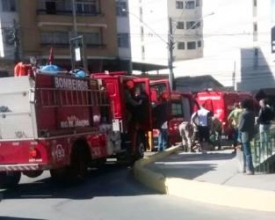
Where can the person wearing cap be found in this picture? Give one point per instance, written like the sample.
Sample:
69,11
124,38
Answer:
131,103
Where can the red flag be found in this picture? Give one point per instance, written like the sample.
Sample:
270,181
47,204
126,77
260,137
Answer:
50,60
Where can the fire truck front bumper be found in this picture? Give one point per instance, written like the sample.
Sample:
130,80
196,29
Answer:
21,167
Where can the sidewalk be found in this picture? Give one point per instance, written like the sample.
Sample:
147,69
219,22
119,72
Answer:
218,167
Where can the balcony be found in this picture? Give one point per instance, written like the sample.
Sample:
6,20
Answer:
67,45
67,13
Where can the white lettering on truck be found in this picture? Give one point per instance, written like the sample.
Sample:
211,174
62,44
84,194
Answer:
70,84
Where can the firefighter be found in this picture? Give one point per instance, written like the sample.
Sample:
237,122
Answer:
23,69
131,103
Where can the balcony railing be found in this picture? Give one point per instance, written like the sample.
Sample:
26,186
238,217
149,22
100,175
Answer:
67,12
67,45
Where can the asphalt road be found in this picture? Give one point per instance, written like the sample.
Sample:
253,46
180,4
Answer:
108,195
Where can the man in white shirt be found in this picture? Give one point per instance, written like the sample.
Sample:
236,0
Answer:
202,119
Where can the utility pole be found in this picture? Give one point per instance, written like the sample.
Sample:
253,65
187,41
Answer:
171,44
74,18
15,40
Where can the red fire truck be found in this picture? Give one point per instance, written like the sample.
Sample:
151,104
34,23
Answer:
181,105
140,135
56,123
221,103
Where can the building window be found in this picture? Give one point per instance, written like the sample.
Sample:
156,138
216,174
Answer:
143,52
181,45
55,38
255,3
123,40
191,45
121,8
198,3
179,4
191,25
255,61
8,5
142,33
199,43
255,27
86,7
190,4
255,31
91,39
180,25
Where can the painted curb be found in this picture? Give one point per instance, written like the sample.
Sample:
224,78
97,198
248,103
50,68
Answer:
149,178
235,197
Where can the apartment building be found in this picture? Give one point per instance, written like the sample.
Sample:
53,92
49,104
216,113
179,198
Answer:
149,21
50,23
238,46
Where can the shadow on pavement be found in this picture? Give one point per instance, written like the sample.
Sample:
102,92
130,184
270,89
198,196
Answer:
112,181
193,165
17,218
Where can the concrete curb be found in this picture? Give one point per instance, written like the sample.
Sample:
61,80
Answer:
235,197
149,178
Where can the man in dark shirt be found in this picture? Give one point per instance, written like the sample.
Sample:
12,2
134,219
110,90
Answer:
264,122
247,131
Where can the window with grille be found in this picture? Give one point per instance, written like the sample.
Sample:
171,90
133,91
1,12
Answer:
86,6
8,5
179,4
180,25
55,38
191,25
190,4
191,45
121,8
123,40
91,38
199,43
181,46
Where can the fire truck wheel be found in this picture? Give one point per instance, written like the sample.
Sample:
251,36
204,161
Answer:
9,179
140,147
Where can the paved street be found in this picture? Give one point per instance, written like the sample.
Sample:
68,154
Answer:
107,196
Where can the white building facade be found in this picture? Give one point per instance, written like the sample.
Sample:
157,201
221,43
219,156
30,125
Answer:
149,24
237,44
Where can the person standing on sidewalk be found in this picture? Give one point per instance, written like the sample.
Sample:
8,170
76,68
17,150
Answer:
266,114
202,120
247,131
233,119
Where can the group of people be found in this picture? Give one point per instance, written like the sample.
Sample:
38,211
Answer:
202,131
241,118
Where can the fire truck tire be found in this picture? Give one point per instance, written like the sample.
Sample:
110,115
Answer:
9,179
140,147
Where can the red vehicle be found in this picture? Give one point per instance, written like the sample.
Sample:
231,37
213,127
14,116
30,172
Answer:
114,83
56,123
180,109
221,103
